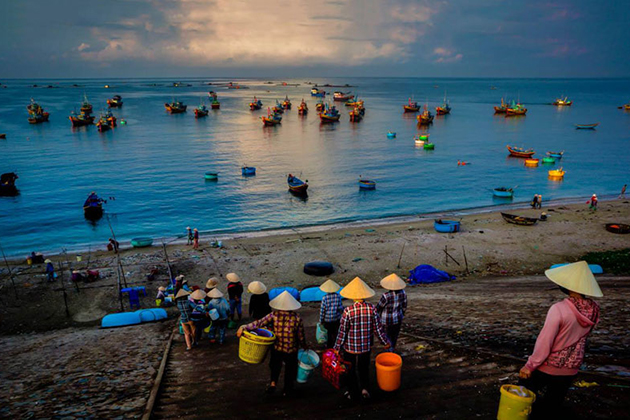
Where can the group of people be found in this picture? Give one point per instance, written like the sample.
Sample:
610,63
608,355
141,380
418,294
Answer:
193,237
536,201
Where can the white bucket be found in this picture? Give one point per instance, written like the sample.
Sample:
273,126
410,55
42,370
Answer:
214,314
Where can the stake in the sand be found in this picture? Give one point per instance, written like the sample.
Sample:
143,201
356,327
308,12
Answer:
63,288
401,254
168,264
118,267
122,270
465,259
10,272
447,256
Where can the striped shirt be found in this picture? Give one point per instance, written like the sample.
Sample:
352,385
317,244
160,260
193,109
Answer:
358,323
392,307
331,308
288,328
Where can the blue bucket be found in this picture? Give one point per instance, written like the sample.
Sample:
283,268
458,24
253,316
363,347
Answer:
307,362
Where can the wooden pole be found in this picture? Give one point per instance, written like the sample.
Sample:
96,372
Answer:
63,288
445,255
168,264
122,270
401,253
122,308
465,259
10,272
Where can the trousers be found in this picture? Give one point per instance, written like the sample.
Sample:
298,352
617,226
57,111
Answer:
290,361
392,333
358,377
550,392
333,329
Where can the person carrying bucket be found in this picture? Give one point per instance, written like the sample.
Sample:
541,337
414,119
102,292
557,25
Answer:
259,302
289,330
218,302
210,284
392,306
358,323
331,310
560,346
185,307
199,315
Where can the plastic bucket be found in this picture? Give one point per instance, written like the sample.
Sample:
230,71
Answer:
254,345
307,361
516,403
214,314
388,370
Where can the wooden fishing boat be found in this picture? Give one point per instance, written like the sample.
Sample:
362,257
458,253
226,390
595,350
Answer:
366,184
36,113
38,118
515,109
111,118
215,104
444,109
329,115
278,109
548,160
115,102
3,135
520,152
619,228
519,220
201,111
501,109
296,185
391,135
556,173
412,106
555,155
141,242
356,115
7,184
532,162
426,117
248,170
81,119
446,226
271,119
256,104
428,146
103,124
286,104
211,176
563,102
93,207
303,108
86,107
586,126
626,107
342,97
503,192
176,107
320,106
318,92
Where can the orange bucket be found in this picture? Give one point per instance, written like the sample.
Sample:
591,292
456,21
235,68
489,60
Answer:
388,370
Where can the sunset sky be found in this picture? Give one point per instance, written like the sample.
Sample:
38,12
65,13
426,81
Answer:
450,38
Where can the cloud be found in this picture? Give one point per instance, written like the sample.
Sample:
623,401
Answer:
446,56
83,46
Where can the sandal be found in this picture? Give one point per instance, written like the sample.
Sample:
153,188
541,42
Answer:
365,394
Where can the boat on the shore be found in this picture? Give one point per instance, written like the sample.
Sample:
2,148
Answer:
619,228
532,162
176,107
286,104
256,104
367,184
501,109
141,242
555,155
342,97
515,109
412,106
519,220
296,185
303,108
115,102
215,104
446,226
563,102
318,92
36,113
520,152
81,119
586,126
248,171
426,117
93,207
7,184
201,111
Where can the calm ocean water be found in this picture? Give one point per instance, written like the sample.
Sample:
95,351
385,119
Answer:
154,165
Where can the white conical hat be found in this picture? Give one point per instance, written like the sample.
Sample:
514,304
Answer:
198,294
215,293
181,293
357,290
393,282
576,277
212,283
256,288
232,277
329,286
285,302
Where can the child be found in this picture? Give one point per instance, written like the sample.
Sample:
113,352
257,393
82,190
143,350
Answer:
235,291
593,203
219,303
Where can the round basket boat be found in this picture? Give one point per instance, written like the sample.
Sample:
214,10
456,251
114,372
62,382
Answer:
548,160
618,228
141,242
531,162
211,176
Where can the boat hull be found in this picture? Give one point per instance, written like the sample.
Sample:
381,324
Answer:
521,154
141,242
446,226
93,212
80,122
586,126
503,193
407,108
201,113
519,220
366,184
328,118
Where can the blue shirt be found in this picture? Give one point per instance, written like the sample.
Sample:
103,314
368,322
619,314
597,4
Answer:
331,309
222,307
185,308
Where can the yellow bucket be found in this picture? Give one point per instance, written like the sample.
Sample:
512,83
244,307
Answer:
253,346
514,406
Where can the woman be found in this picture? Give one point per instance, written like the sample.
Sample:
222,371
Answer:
331,310
235,293
259,302
199,315
358,323
289,331
195,239
50,270
560,346
392,306
185,309
218,302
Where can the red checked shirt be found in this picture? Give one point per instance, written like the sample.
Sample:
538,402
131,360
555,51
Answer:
288,328
392,307
358,323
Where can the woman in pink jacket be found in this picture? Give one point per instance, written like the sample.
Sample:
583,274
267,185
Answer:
560,346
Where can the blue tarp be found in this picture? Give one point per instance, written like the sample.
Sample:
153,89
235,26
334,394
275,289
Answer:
273,293
595,269
425,273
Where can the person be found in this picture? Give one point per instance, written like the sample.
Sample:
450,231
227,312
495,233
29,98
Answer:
50,270
159,298
113,245
189,235
259,302
593,203
560,346
235,291
392,306
623,191
534,202
358,323
289,330
199,315
196,239
218,302
211,284
330,310
185,307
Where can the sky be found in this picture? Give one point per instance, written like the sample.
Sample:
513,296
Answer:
299,38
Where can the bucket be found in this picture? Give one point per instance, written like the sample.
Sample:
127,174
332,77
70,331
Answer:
516,403
29,260
158,302
79,257
214,314
307,361
207,329
388,369
254,345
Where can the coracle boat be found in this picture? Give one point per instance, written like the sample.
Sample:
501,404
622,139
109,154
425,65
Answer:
286,104
86,107
503,192
303,108
520,152
272,118
115,102
446,226
428,146
81,119
256,104
501,109
391,135
201,111
619,228
426,117
7,184
563,102
141,242
548,160
412,106
211,176
366,184
215,104
296,185
421,139
444,109
93,207
176,107
248,170
515,109
329,115
342,97
532,162
555,155
519,220
36,113
356,115
318,92
556,173
586,126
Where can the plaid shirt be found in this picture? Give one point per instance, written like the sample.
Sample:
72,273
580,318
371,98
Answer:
185,308
288,328
358,323
392,307
331,309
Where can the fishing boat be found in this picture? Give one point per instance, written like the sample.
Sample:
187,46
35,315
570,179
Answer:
444,109
555,155
556,173
501,109
176,107
519,220
563,102
103,124
81,119
520,152
3,135
86,106
93,207
391,135
320,106
426,117
211,176
366,184
515,109
296,185
215,104
248,170
236,86
111,118
548,160
286,104
7,184
329,115
503,192
626,107
256,104
428,145
141,242
586,126
318,92
354,102
356,115
412,106
278,109
36,113
532,162
115,102
201,111
272,118
342,97
446,226
421,139
303,108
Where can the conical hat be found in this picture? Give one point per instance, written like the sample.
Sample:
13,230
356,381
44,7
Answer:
285,302
256,288
162,289
357,290
329,286
232,277
576,277
393,282
182,293
212,283
215,293
198,294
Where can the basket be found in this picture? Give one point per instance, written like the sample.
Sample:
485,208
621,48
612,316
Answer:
254,345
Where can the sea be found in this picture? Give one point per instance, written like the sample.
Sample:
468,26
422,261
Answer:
151,169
